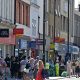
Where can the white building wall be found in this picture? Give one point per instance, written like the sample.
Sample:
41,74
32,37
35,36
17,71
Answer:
34,13
26,1
40,3
26,29
7,10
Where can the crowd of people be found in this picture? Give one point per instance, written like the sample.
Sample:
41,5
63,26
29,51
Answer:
30,68
24,67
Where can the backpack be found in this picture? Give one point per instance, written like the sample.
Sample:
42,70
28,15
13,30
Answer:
45,73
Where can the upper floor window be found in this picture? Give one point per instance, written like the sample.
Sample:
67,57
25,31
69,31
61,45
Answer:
34,1
22,13
33,27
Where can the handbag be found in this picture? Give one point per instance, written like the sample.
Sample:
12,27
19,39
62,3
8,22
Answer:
45,73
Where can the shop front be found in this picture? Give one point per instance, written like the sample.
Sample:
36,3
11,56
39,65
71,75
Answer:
7,42
21,48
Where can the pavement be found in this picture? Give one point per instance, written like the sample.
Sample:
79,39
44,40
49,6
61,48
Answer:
52,78
63,78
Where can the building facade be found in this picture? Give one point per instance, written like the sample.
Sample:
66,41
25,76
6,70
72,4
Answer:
22,18
7,22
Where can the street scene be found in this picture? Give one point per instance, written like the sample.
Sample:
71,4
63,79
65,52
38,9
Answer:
39,39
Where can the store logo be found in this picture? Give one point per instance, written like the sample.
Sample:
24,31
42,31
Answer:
4,32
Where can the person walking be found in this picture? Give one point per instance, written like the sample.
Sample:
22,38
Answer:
12,67
31,69
69,67
36,66
3,66
7,60
73,67
23,65
57,68
77,69
39,73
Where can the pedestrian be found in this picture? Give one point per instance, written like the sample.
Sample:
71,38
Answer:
77,69
69,67
7,60
17,64
3,66
57,68
31,69
36,66
23,65
13,66
73,67
39,73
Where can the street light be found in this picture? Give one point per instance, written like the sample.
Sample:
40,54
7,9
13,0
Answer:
68,31
44,32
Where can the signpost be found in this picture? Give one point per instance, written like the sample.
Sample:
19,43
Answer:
40,42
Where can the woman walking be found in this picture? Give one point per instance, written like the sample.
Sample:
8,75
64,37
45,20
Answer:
77,69
39,73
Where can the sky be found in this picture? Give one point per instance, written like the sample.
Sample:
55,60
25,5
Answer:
76,3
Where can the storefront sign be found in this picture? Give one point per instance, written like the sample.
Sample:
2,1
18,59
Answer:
17,31
59,40
4,33
22,44
8,40
32,44
40,42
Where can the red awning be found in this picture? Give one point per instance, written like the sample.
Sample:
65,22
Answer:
59,40
17,31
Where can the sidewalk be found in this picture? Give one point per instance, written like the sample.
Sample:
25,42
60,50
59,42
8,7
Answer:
55,78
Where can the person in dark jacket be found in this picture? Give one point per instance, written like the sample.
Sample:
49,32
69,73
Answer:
13,67
17,65
7,60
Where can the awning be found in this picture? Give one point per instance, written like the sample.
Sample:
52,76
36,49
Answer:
59,40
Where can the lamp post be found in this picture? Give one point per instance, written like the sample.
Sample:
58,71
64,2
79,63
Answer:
44,32
68,31
54,24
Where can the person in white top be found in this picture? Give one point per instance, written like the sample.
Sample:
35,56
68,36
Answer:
23,65
69,67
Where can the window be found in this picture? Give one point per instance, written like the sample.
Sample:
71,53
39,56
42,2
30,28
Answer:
22,13
50,6
28,15
24,20
33,27
49,32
